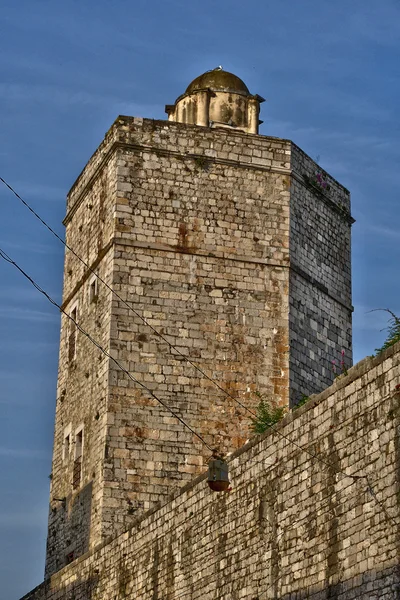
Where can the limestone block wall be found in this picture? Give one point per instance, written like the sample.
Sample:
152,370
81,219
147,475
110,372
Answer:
320,277
90,219
227,331
80,405
75,522
201,251
202,232
295,524
190,226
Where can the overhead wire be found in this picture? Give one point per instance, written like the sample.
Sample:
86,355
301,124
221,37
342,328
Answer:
370,489
129,306
8,259
145,321
161,336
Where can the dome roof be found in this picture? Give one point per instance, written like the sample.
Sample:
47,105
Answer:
218,79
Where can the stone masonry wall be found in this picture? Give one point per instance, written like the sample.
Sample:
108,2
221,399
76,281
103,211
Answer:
75,522
194,235
190,226
320,277
295,524
202,249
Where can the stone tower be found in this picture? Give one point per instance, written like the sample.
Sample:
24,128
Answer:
236,248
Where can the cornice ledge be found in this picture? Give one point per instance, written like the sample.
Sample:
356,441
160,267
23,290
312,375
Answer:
124,241
164,152
344,214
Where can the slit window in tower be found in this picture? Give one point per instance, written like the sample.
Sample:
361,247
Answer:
66,444
93,290
77,474
72,334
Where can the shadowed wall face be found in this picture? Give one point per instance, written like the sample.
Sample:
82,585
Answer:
320,312
292,525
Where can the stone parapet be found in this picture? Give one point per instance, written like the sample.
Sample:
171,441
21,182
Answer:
313,513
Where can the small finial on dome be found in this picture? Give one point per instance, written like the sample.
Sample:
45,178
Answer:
220,68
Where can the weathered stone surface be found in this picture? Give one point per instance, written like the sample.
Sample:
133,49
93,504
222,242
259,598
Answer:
219,241
217,99
320,278
294,525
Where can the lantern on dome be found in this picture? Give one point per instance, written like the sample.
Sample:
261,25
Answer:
218,473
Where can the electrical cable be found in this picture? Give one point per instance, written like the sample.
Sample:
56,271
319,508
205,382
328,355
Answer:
271,427
380,503
160,335
144,320
8,259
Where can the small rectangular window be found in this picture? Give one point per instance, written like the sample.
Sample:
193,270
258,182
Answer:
70,557
66,443
77,474
78,443
93,290
73,332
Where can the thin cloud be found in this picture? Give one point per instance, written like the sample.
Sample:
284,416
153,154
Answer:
345,103
11,292
63,97
39,93
377,23
28,189
382,231
30,247
27,314
343,138
22,520
24,453
26,345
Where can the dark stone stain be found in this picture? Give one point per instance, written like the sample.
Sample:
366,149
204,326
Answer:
182,236
333,542
154,572
396,436
123,574
170,576
69,529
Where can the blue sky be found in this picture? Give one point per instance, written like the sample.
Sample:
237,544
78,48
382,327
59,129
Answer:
329,72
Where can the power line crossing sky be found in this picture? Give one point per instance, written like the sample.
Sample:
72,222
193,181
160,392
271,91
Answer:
329,74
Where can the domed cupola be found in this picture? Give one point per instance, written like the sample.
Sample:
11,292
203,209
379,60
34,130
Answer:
217,99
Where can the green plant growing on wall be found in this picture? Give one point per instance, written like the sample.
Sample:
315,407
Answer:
268,413
318,181
393,330
302,401
201,163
